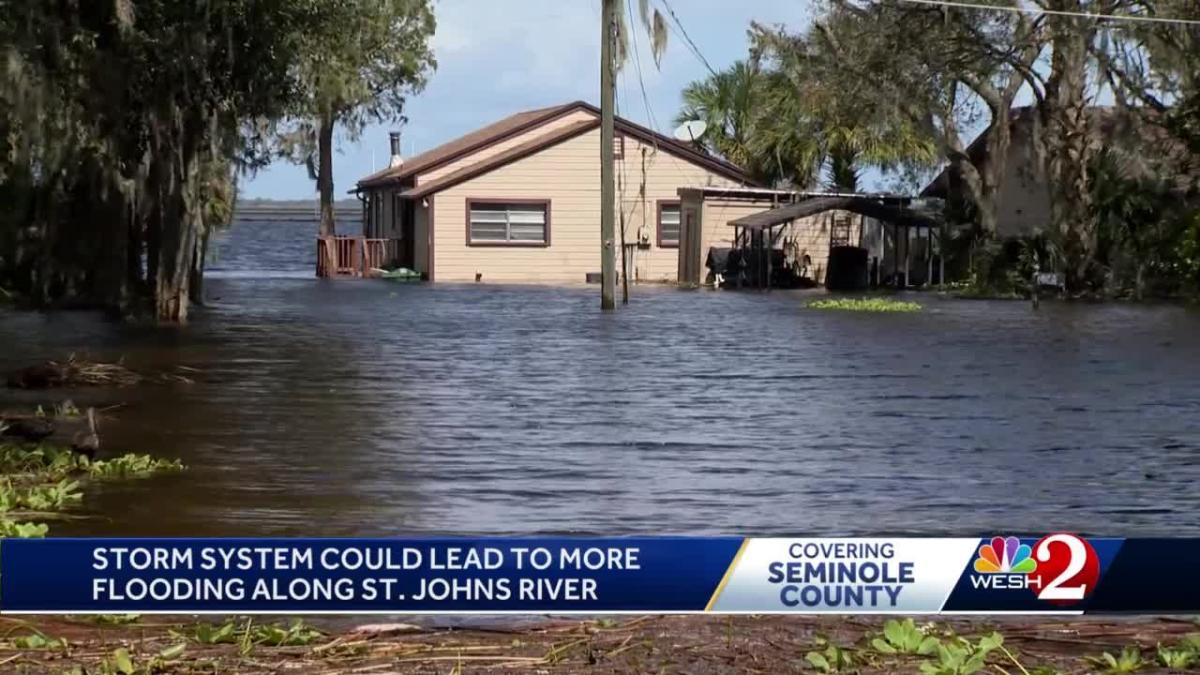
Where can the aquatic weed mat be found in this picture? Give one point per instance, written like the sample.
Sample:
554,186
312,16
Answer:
662,644
81,371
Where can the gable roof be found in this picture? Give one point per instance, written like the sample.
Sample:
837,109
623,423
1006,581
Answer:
467,143
1112,126
522,122
1018,119
500,159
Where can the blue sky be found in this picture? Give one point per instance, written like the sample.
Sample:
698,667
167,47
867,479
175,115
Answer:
496,57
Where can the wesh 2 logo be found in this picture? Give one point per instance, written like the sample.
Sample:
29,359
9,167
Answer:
1059,568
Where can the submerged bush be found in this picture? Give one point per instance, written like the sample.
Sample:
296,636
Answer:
865,305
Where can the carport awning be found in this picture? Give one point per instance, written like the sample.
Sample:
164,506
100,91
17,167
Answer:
810,207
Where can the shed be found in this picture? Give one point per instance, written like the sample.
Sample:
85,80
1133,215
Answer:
759,230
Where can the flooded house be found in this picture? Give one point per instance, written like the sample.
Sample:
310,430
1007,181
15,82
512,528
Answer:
519,200
1145,150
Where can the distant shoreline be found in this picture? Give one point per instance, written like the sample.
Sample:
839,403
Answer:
304,210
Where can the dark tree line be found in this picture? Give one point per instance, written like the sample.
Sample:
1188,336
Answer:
124,125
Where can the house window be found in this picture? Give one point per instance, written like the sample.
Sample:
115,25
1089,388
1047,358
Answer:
668,224
618,147
509,223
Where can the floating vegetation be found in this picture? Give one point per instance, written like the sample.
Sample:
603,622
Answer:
11,530
53,497
37,640
120,662
831,659
49,463
904,637
131,466
1128,661
76,371
865,305
40,480
249,635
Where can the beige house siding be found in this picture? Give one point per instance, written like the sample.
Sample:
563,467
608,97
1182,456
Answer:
490,151
716,216
568,175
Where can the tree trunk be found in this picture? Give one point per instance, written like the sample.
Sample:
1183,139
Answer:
178,245
196,283
1068,141
980,177
325,175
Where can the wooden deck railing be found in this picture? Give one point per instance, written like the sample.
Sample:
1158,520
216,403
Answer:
354,256
380,253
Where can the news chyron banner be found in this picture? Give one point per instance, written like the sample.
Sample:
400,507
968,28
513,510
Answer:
1056,573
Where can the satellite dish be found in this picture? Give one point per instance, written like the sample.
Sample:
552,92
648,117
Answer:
690,131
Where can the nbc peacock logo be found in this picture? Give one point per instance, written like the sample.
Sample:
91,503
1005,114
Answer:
1005,556
1005,563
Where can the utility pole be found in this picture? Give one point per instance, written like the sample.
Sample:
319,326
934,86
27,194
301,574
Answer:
608,31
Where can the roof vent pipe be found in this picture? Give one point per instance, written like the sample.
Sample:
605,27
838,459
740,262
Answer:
397,160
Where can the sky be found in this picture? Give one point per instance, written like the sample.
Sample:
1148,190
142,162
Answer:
497,57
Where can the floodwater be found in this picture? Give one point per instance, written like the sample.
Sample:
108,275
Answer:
340,408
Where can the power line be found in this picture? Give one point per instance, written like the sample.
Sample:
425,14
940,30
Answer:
687,38
1057,12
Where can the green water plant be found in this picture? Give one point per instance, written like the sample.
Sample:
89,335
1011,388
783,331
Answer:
1177,658
42,478
959,656
904,637
121,662
114,619
13,530
249,635
62,494
210,633
132,466
865,305
297,634
43,462
37,640
830,659
1128,661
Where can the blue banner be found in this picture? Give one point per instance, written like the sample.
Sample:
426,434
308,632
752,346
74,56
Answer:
361,575
1059,573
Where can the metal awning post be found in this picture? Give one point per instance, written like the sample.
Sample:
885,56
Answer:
768,246
907,253
928,257
895,256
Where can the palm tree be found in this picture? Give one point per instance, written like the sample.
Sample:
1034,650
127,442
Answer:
787,124
725,102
